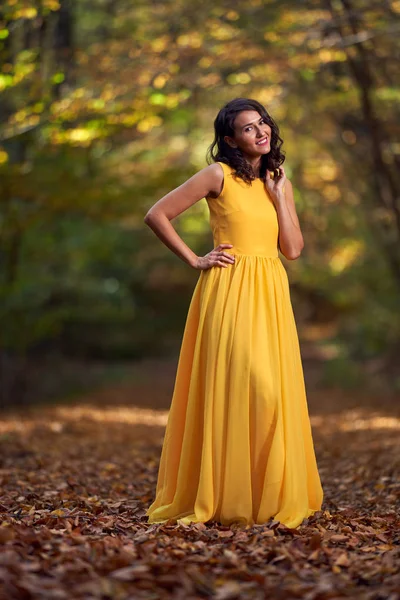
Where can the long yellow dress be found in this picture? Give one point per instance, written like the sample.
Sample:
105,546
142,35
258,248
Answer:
238,443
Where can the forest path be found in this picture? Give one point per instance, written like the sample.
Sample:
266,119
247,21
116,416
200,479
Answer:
76,480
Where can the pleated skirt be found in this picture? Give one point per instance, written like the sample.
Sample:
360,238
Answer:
238,444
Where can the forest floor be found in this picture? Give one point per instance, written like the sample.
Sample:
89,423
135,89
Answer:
77,478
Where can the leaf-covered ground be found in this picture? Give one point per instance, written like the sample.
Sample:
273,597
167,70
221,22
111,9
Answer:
76,480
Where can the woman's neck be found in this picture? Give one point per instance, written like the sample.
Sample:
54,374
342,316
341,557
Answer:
255,162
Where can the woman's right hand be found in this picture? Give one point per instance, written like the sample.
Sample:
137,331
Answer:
216,258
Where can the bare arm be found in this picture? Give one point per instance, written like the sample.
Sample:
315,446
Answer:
291,241
206,182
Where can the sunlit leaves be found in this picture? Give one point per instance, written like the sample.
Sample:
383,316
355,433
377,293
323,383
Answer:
158,99
28,9
58,78
5,81
238,78
149,123
345,254
139,88
81,136
192,39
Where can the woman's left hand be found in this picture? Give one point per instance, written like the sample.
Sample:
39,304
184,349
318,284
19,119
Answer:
275,186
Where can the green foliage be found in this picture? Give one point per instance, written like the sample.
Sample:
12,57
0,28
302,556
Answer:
108,107
342,372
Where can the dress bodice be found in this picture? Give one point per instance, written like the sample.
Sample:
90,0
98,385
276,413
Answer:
244,215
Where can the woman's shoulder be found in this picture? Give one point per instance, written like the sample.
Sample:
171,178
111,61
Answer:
224,166
216,176
218,167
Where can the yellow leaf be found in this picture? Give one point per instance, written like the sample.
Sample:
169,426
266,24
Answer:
59,512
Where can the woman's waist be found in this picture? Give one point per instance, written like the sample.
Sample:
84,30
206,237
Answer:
251,254
261,250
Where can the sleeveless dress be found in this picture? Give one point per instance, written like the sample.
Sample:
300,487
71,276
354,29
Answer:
238,442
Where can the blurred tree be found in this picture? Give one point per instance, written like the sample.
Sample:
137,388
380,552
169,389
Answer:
361,30
106,106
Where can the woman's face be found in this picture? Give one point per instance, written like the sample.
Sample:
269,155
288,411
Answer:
252,134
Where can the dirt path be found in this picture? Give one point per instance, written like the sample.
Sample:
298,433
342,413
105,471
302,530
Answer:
76,480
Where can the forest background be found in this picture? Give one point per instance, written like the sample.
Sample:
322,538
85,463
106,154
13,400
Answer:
107,105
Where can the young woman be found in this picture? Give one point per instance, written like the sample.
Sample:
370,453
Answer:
238,444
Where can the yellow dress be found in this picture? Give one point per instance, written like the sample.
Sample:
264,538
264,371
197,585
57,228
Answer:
238,443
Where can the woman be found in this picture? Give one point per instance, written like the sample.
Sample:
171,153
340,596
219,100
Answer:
238,444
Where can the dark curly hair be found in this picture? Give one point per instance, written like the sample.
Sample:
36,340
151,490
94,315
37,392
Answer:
220,151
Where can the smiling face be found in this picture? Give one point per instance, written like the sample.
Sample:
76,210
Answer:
252,134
